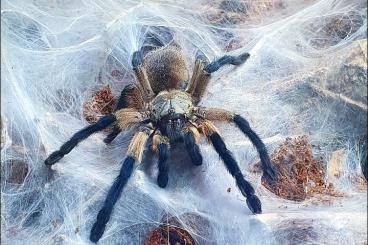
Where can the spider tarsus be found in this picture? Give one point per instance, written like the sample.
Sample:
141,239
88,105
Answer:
226,60
163,167
240,59
96,232
254,204
162,179
53,158
82,134
197,159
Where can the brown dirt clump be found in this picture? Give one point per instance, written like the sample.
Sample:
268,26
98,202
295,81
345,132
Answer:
17,171
296,231
333,29
101,103
299,174
233,12
169,235
174,230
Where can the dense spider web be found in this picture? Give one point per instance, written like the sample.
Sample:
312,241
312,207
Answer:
54,53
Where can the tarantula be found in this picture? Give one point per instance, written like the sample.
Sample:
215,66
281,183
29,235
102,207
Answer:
163,105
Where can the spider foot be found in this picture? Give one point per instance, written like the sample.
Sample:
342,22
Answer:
96,232
162,179
240,59
53,158
197,159
254,204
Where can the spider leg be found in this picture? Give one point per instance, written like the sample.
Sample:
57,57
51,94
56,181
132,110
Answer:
102,123
141,74
202,71
130,97
134,155
226,60
243,125
198,82
111,136
190,140
244,186
163,166
161,145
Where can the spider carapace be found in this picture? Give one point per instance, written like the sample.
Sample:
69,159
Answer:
163,105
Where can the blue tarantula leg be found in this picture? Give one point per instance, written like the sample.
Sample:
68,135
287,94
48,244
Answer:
111,136
217,114
160,144
267,168
113,195
244,186
102,123
134,154
163,166
226,60
191,146
130,97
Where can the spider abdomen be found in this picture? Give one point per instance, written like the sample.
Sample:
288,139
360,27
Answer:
166,68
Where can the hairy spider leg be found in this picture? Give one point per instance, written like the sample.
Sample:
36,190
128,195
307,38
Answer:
226,60
244,186
192,148
199,80
161,145
244,126
134,154
102,123
125,101
111,198
163,166
141,74
227,116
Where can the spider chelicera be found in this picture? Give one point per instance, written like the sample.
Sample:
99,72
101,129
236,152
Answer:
163,105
